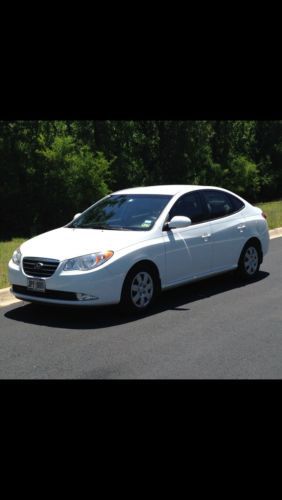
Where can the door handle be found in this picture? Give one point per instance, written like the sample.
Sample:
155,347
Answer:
207,235
241,227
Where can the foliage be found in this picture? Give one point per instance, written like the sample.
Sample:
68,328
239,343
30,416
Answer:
53,169
6,251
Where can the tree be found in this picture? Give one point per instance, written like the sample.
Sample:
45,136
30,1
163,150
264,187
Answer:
52,169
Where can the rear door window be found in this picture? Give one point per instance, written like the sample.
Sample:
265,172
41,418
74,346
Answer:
218,203
237,204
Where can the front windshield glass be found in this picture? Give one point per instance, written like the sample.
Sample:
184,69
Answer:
136,212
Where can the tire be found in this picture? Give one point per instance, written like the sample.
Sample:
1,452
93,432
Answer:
140,289
250,261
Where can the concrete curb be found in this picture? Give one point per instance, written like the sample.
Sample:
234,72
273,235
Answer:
7,298
275,233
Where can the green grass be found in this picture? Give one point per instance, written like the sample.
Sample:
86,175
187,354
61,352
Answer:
6,252
273,211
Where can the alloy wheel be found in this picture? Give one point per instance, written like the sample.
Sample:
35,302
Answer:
142,289
251,260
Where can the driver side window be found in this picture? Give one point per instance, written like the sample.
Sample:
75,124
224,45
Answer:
190,206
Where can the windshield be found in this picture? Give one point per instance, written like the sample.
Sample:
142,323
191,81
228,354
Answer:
135,212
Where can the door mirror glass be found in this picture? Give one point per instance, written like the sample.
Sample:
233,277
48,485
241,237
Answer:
179,221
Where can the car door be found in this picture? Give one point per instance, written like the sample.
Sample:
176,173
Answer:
227,228
188,251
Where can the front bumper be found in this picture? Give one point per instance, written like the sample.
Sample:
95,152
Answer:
62,288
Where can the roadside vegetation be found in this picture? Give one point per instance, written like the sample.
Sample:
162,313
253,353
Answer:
6,250
51,170
273,211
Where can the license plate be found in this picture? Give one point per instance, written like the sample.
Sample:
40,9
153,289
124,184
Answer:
36,285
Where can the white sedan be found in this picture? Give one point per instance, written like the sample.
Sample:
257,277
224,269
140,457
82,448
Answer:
134,243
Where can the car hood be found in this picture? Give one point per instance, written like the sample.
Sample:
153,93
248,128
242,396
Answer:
66,243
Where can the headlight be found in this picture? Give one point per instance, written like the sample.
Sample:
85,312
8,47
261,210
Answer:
16,258
88,262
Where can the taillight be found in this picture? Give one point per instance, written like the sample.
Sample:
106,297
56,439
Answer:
264,215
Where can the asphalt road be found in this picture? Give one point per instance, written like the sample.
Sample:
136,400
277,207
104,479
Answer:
214,329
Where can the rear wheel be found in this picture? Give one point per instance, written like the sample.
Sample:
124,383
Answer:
140,289
250,261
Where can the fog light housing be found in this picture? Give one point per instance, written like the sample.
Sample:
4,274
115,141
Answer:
86,296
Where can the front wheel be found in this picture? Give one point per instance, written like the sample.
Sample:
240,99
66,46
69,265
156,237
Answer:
139,290
250,261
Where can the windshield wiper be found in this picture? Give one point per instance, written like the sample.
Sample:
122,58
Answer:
102,226
110,228
88,226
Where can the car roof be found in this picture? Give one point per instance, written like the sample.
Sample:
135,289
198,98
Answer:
171,189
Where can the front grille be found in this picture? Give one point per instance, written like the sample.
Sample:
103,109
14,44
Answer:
48,294
39,268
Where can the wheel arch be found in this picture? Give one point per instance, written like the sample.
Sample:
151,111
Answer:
148,263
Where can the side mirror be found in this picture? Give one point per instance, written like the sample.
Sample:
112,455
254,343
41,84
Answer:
179,221
76,216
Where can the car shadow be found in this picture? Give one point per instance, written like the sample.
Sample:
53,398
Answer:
177,299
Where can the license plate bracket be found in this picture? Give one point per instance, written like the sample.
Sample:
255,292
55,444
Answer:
36,285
